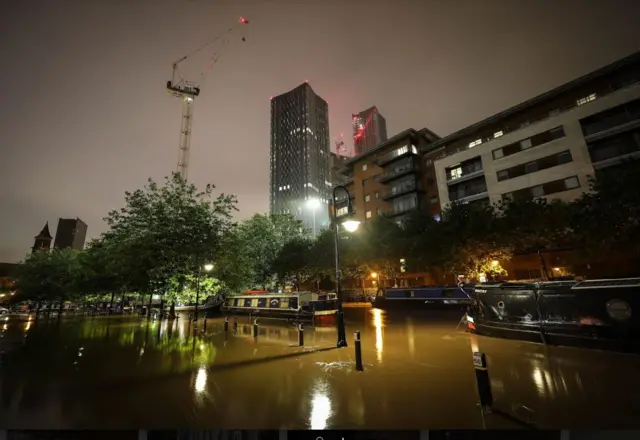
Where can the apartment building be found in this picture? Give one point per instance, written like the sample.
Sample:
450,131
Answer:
387,180
544,147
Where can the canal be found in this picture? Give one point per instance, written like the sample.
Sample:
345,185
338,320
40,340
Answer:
127,373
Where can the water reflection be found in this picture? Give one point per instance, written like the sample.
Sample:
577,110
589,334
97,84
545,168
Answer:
377,325
201,380
320,405
86,367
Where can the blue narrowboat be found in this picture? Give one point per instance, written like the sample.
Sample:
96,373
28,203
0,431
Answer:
599,314
294,305
425,298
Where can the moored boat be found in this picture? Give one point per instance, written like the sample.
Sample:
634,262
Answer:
211,305
591,314
309,306
423,298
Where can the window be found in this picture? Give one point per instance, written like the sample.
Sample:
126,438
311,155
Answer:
455,173
367,214
377,195
556,133
586,99
536,165
364,182
497,134
571,182
428,162
531,167
497,154
433,200
378,211
525,144
537,191
364,167
474,143
377,177
367,198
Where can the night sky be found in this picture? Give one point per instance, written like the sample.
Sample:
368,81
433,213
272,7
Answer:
85,113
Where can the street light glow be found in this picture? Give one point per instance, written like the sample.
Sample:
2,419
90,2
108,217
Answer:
313,203
351,225
495,263
208,267
374,275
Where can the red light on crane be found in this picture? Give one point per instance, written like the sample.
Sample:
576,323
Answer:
244,20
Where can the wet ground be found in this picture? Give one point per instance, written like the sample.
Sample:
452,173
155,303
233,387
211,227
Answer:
127,373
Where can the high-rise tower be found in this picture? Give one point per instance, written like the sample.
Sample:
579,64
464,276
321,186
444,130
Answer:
71,233
369,130
43,240
300,171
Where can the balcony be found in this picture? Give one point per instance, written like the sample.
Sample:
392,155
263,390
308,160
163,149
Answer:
464,172
399,190
399,172
398,153
399,210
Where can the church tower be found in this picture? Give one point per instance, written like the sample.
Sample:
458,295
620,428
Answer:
43,240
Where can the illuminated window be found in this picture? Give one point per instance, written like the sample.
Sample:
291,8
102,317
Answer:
474,143
497,134
367,198
455,173
364,167
586,99
377,195
367,214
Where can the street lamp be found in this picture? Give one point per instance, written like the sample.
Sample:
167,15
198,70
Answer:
313,204
350,226
208,267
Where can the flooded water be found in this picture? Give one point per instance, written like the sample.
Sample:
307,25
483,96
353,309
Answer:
127,373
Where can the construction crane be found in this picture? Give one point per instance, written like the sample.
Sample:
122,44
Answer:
187,91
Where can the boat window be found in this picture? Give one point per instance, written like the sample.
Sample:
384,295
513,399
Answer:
408,294
247,302
262,302
293,302
322,297
235,302
274,303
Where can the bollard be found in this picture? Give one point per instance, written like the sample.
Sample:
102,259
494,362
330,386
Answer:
255,328
482,380
300,335
226,324
204,324
358,347
235,324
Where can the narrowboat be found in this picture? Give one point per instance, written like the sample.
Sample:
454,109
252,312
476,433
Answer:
591,314
211,305
303,306
425,298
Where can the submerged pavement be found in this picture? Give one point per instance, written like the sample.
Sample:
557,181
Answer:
127,373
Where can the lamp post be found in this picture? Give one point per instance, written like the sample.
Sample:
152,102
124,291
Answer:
313,204
208,268
350,226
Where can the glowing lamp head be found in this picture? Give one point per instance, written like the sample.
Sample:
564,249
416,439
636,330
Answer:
208,267
351,225
374,275
313,203
494,263
243,20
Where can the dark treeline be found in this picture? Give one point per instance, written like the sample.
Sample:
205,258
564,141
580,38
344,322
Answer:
164,233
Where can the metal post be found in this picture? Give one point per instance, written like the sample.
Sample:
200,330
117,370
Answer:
300,335
226,324
482,380
358,347
255,328
342,338
195,314
235,324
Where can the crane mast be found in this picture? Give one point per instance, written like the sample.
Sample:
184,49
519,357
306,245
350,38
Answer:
187,91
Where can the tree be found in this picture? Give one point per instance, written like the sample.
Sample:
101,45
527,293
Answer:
607,217
254,247
291,265
49,276
165,231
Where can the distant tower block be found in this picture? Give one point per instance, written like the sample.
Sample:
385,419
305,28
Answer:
71,234
43,240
